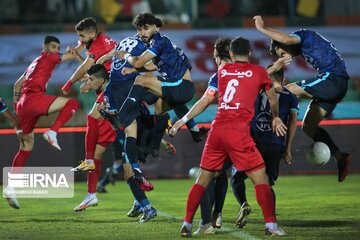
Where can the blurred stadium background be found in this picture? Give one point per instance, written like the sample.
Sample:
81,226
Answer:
193,25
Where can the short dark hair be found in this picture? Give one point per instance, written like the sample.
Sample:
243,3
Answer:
88,23
99,71
222,47
145,18
49,39
240,46
293,49
277,76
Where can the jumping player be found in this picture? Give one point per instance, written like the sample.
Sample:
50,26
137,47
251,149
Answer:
326,89
31,102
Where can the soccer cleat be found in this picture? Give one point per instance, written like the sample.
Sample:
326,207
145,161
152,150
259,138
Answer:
84,166
113,119
206,229
275,232
216,220
343,166
10,197
89,201
144,184
50,137
185,231
168,147
135,211
199,135
147,215
244,212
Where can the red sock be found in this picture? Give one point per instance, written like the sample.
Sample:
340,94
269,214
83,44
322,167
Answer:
65,114
194,197
93,177
91,137
20,160
265,199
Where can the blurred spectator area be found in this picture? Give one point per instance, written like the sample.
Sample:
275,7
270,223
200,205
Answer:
60,14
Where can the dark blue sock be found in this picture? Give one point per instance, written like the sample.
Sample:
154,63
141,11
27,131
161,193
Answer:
180,111
130,150
221,186
161,123
322,136
207,201
238,187
138,193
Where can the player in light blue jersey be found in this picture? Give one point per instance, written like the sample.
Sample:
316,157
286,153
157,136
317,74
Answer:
326,89
174,86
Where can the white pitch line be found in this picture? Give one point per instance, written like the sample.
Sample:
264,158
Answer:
237,234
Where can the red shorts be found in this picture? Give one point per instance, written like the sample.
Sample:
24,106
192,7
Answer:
31,107
106,133
237,144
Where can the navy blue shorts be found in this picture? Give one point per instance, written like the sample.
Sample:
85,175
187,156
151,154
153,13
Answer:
175,93
120,91
272,155
327,90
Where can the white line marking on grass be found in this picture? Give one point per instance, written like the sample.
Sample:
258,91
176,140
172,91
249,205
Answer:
233,232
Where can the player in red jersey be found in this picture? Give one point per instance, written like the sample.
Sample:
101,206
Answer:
102,134
96,45
238,86
31,102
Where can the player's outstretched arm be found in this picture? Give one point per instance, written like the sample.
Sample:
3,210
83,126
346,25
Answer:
78,74
290,134
274,34
136,62
198,108
106,57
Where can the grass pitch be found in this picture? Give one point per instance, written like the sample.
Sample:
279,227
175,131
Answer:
308,207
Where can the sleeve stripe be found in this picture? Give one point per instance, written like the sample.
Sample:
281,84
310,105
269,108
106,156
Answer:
148,50
295,35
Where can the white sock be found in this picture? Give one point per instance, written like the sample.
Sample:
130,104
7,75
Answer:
271,225
187,225
195,128
52,133
90,161
91,195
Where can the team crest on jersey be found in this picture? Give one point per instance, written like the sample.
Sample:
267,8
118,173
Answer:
152,42
263,123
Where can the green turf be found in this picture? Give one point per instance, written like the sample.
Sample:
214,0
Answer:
308,207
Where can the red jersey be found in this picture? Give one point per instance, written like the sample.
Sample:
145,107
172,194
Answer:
239,85
39,72
101,45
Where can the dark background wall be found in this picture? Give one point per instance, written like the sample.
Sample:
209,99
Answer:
188,153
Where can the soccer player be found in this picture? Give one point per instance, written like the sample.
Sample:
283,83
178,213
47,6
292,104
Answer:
13,121
96,45
326,89
215,193
174,86
31,102
271,147
97,137
238,86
